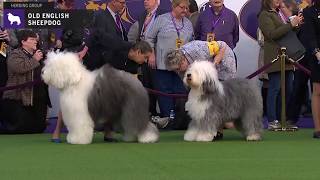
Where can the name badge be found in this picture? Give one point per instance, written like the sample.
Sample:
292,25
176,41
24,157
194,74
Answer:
3,49
210,37
179,43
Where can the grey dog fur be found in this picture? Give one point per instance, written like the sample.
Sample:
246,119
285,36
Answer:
119,98
240,103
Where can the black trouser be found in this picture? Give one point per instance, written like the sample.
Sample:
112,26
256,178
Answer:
3,73
146,79
19,119
299,92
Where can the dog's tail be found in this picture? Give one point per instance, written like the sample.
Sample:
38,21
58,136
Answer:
149,135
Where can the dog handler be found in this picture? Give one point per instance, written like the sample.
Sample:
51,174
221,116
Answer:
217,52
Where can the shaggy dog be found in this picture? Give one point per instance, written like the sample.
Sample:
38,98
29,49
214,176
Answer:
12,18
93,98
211,103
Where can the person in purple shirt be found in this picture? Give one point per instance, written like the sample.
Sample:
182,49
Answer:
219,20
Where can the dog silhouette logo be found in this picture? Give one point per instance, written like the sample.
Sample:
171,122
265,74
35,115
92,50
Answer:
14,19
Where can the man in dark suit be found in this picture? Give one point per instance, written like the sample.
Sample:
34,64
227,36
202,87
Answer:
108,26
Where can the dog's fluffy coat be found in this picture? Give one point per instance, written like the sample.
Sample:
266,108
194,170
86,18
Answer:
211,103
105,95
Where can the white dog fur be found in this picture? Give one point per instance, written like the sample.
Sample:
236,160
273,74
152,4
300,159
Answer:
85,99
211,103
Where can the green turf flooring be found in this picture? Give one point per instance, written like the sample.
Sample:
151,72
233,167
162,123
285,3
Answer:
281,155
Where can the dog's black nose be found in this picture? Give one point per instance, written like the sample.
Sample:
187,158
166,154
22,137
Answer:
188,75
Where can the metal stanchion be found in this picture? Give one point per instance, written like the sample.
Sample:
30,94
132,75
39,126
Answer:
283,58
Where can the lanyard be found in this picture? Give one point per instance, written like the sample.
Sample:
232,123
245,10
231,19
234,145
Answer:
215,23
147,22
175,26
119,25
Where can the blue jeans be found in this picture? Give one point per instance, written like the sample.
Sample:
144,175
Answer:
274,95
167,82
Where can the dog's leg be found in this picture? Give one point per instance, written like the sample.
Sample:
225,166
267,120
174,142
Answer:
80,137
192,131
251,125
136,124
207,130
205,136
149,135
254,137
80,130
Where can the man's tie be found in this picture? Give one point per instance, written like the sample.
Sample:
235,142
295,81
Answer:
119,24
118,21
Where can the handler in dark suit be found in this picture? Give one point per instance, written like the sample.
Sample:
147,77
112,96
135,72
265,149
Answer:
108,25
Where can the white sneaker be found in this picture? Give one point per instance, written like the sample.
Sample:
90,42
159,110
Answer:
274,125
160,122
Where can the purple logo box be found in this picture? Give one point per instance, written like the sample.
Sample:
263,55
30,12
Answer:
13,18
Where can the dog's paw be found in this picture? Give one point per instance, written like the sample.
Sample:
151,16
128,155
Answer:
150,137
74,139
254,137
150,134
205,137
190,135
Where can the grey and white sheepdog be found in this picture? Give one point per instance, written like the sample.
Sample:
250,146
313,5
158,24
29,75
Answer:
211,103
103,96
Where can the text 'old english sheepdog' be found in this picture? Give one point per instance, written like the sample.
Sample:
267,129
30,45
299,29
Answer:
103,96
211,103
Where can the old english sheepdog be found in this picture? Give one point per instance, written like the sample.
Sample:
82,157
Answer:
211,103
93,98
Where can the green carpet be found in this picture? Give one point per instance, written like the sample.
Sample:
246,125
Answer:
281,155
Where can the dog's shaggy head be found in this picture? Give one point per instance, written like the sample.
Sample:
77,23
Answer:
202,75
62,69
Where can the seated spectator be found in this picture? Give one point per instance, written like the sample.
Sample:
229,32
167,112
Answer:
25,108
